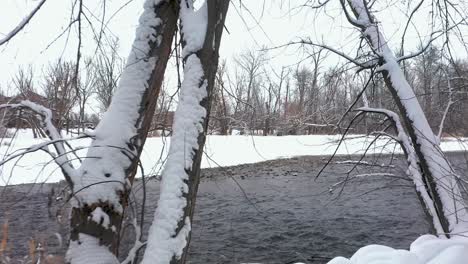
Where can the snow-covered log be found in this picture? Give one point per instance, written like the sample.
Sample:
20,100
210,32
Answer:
169,234
102,183
437,174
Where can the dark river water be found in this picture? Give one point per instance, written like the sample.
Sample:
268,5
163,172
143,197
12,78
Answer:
270,212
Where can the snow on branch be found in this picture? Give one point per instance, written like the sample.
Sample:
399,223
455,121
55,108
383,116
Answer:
413,162
446,110
51,131
364,163
132,253
363,175
22,24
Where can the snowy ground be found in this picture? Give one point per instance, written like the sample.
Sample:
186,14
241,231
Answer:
427,249
220,151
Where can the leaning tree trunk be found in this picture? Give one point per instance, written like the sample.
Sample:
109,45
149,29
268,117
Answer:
413,171
169,235
102,184
438,176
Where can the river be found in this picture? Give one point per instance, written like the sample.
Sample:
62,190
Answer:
269,212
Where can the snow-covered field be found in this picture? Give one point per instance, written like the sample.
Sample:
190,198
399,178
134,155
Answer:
219,151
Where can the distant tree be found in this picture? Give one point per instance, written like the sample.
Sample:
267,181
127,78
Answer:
59,90
220,110
428,71
163,116
277,85
107,67
23,80
250,70
86,88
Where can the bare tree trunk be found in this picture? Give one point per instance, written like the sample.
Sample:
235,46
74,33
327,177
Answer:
224,119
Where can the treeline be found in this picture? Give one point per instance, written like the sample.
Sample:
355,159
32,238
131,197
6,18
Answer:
75,95
313,98
253,96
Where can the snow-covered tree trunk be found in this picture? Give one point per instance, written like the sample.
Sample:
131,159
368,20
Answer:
102,183
438,176
169,234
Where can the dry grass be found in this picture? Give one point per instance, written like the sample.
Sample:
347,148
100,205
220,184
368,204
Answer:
37,251
4,242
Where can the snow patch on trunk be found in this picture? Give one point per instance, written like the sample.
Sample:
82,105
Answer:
102,173
167,237
194,25
163,242
87,250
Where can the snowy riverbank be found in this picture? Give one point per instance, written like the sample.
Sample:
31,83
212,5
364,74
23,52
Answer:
220,151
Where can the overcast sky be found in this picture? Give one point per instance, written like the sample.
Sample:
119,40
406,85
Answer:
259,23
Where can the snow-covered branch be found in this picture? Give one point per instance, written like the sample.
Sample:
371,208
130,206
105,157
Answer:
132,253
364,163
360,176
413,162
45,117
446,110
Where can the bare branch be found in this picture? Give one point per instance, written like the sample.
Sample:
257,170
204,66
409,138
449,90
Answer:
22,24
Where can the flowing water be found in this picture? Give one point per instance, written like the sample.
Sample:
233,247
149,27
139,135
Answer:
270,212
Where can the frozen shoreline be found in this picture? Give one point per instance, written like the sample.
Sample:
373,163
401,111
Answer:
219,151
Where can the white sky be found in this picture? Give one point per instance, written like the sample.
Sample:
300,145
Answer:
278,22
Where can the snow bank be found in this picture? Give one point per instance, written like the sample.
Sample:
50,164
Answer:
219,151
427,249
